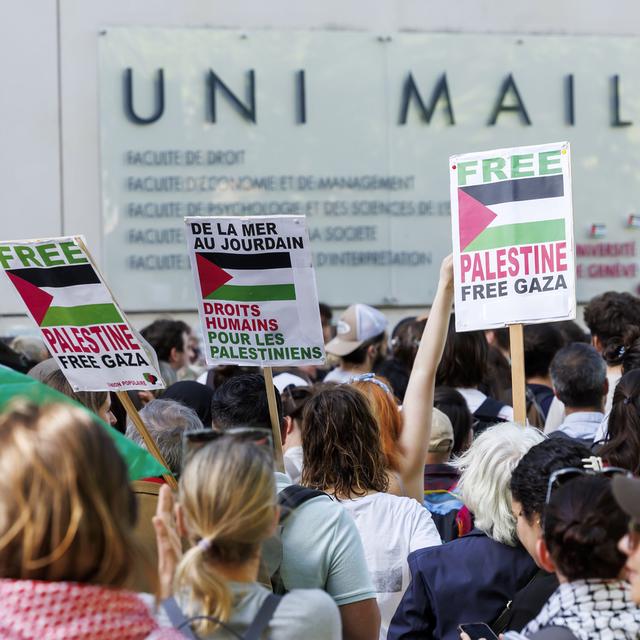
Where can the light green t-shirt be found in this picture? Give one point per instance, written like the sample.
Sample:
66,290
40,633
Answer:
303,613
322,549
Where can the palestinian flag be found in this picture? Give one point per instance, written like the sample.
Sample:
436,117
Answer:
507,213
14,385
71,296
252,277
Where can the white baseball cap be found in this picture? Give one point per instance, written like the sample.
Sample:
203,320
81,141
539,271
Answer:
356,325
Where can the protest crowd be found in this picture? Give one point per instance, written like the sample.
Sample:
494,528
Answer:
410,502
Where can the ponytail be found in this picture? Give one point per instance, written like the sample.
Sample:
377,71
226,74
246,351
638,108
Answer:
208,592
624,350
227,493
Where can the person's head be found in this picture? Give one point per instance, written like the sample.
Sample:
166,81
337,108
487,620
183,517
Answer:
453,404
405,340
464,360
608,315
326,314
541,343
32,348
97,401
486,473
626,491
66,510
530,480
227,508
625,350
341,443
294,400
571,331
169,339
361,336
441,441
582,526
166,421
385,409
579,377
194,395
622,446
242,401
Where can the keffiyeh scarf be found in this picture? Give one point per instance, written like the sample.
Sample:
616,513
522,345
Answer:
592,610
35,610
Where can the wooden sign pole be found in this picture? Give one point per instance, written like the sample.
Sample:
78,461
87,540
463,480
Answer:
516,341
275,419
152,448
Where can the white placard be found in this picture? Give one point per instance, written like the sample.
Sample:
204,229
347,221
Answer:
512,227
82,325
256,290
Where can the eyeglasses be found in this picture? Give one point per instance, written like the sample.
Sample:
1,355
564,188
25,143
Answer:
196,439
561,476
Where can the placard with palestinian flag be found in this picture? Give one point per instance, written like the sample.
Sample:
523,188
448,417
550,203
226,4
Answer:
512,227
256,290
80,322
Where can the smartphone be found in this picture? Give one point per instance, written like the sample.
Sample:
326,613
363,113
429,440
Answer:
478,631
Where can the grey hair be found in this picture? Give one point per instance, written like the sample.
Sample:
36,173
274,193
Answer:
486,474
166,421
578,373
31,347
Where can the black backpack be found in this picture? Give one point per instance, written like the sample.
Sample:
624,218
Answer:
486,415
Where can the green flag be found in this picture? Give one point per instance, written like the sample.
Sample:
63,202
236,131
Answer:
141,464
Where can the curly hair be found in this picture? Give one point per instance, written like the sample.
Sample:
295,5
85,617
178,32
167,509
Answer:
342,449
609,314
582,526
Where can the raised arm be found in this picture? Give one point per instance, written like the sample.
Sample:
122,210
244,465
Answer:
418,399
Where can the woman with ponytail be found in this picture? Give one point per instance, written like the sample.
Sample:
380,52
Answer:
582,524
227,508
622,446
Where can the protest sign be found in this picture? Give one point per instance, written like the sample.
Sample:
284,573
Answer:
83,327
512,223
256,290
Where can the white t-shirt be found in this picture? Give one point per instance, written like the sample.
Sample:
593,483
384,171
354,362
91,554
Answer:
391,528
293,463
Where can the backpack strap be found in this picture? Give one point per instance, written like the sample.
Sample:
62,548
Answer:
178,619
294,495
490,408
263,618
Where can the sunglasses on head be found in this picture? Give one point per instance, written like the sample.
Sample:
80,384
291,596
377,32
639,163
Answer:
194,440
560,477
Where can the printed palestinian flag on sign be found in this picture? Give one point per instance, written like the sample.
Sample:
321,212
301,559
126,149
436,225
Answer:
71,296
236,277
507,213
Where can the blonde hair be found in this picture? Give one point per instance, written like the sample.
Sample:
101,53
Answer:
93,400
228,496
66,510
487,466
